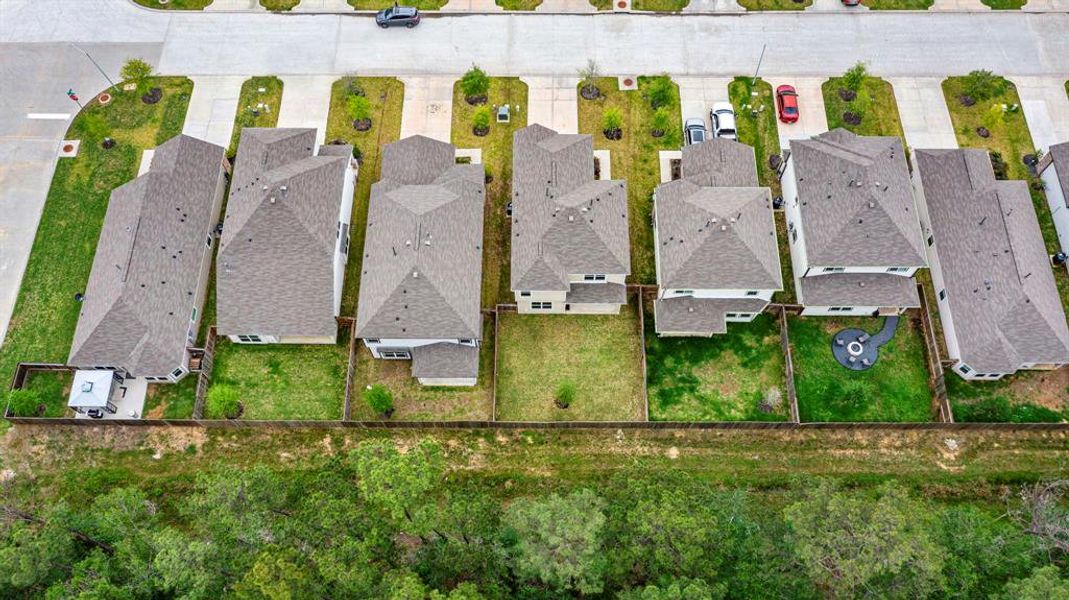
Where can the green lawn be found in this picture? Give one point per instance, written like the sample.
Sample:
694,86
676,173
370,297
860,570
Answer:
497,160
256,108
1027,397
45,315
1005,4
721,378
176,4
661,5
894,390
381,4
171,400
898,4
283,381
415,402
279,4
519,4
875,104
774,4
634,158
53,388
601,355
386,95
601,4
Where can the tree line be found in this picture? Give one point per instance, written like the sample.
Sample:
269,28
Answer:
384,523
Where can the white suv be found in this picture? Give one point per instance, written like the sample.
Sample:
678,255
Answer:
723,118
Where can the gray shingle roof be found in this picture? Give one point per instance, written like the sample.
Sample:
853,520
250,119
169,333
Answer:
700,315
1059,156
147,267
716,237
719,163
856,201
859,289
597,293
445,360
422,263
275,270
995,267
564,222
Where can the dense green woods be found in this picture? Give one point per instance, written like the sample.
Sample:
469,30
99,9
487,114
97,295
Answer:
386,523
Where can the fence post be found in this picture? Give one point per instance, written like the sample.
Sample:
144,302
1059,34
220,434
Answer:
642,340
204,378
936,375
350,371
788,363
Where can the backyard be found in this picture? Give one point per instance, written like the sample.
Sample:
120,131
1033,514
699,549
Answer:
598,356
737,376
42,325
895,389
415,402
634,157
258,105
285,381
385,96
171,400
497,161
1027,397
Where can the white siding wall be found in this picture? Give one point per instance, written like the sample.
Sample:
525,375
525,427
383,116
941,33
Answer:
854,311
815,270
1056,202
345,215
795,235
403,344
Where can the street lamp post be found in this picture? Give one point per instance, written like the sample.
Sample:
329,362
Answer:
80,49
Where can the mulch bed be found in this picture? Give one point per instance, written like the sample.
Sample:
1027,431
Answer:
362,124
590,92
476,100
847,95
613,134
152,96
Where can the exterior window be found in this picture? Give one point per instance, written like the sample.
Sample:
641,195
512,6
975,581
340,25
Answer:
193,316
897,269
751,293
794,235
208,242
372,340
931,240
833,269
840,309
395,354
942,294
745,315
467,342
730,315
250,339
964,369
684,292
525,294
542,305
345,238
593,278
177,373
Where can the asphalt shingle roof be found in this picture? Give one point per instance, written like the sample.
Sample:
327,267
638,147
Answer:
856,201
719,162
564,222
445,360
422,263
859,289
275,269
147,267
995,267
700,315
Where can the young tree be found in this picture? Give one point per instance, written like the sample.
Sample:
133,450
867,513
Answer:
856,76
480,120
1041,512
981,85
136,71
359,108
379,399
612,120
588,79
660,91
661,121
850,543
1045,583
222,402
475,84
558,540
279,574
398,484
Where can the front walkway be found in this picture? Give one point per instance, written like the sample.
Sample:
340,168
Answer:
471,6
812,118
698,94
553,102
235,5
428,107
959,5
923,110
306,102
212,108
566,6
1046,108
713,6
322,6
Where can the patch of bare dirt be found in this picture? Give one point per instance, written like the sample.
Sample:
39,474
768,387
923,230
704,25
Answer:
673,453
1049,389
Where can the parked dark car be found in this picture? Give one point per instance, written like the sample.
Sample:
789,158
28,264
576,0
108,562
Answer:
694,131
396,16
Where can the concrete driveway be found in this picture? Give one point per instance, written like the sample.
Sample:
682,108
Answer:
923,110
812,120
698,94
1046,108
428,107
212,108
306,102
553,102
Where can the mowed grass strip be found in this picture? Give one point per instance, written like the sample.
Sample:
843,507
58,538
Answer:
720,378
415,402
775,4
279,4
256,108
634,158
601,355
42,325
898,4
895,389
283,381
176,4
386,95
497,162
381,4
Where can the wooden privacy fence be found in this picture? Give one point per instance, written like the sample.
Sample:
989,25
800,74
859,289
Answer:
204,378
788,365
936,379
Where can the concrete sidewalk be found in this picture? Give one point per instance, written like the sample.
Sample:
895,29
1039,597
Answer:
553,102
306,102
428,107
923,110
812,119
1046,108
212,108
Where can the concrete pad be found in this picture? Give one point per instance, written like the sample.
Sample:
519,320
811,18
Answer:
604,158
129,400
566,6
923,109
834,6
812,119
306,102
474,154
1046,108
235,5
553,102
713,6
428,107
959,5
323,6
1046,6
665,158
698,94
481,6
212,107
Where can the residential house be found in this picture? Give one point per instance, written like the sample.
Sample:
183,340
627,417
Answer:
570,245
285,240
715,242
422,265
997,299
852,222
143,303
1054,171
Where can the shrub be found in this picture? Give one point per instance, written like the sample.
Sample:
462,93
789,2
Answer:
481,118
379,399
588,75
353,86
475,83
855,76
998,409
359,108
998,164
662,119
136,70
612,119
659,92
24,403
981,85
565,394
222,402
